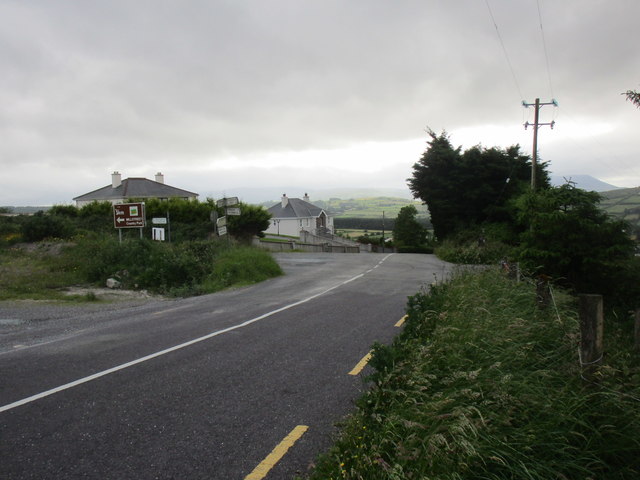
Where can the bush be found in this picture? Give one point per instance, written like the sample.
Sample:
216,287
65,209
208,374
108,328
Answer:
241,266
491,252
43,226
182,269
576,244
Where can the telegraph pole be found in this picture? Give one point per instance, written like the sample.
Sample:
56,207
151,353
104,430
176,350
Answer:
536,124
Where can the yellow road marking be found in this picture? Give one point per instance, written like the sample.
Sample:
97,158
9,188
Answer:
361,364
401,321
276,455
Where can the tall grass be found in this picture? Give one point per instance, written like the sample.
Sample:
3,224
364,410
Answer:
36,275
483,385
180,269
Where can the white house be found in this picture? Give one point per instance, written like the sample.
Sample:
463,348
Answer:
293,215
121,190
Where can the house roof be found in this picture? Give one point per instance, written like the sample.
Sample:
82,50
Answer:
295,208
136,188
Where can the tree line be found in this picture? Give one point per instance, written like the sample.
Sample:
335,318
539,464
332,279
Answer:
481,203
188,220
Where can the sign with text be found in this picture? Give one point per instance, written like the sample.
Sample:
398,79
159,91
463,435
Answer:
233,211
221,222
227,202
159,221
128,215
222,231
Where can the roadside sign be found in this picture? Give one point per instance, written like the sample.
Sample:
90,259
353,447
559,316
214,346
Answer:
159,221
128,215
227,202
157,233
222,231
233,211
221,222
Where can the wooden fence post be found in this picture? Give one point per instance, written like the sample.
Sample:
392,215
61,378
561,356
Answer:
637,331
543,291
591,333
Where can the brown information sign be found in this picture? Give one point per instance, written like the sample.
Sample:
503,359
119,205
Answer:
128,215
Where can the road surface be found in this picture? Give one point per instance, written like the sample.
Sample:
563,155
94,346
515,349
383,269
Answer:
217,387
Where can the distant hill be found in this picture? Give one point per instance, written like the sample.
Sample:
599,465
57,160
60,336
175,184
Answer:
585,182
370,207
272,195
25,210
624,203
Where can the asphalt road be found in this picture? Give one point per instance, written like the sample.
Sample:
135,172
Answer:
205,387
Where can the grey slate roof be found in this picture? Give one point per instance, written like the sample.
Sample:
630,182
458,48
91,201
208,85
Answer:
296,208
136,188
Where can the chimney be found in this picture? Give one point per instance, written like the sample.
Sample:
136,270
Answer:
159,177
306,197
285,200
116,179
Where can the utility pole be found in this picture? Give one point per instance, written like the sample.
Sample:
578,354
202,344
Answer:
536,124
383,231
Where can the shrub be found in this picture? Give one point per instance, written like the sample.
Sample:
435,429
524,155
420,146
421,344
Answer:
241,266
491,252
42,226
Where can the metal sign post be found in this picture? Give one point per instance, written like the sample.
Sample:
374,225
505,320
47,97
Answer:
228,203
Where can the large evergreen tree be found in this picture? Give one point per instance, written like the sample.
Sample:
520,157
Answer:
466,189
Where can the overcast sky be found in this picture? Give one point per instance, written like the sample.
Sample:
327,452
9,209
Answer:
226,94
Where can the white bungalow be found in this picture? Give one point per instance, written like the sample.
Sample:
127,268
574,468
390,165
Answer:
293,215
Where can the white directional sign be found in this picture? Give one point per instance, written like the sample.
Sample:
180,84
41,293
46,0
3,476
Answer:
222,231
221,222
227,202
159,221
233,211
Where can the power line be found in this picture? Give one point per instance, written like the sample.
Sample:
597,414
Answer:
544,45
504,50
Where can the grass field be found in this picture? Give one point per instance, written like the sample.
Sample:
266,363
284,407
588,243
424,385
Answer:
371,207
623,203
482,384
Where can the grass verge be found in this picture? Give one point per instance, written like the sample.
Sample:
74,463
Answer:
182,269
482,385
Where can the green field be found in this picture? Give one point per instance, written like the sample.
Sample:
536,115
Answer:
624,204
371,207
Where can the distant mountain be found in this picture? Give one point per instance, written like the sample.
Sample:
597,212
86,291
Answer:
25,210
585,182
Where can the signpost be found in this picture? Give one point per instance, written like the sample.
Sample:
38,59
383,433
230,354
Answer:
228,203
129,215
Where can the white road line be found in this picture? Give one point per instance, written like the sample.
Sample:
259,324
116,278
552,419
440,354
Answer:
103,373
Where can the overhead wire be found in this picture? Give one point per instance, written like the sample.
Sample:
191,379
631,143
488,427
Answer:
504,50
544,46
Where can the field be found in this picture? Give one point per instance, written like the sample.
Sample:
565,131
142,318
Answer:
624,204
371,207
